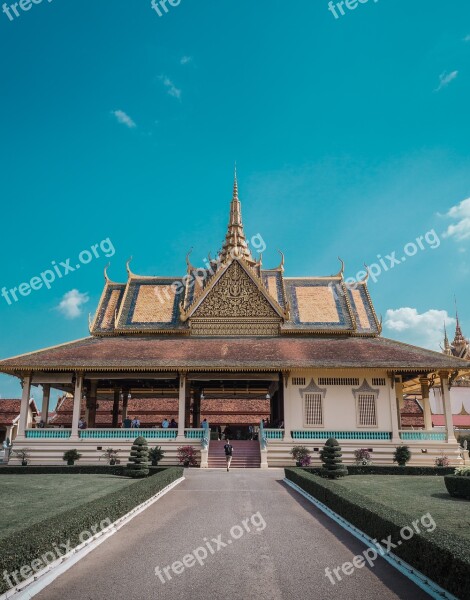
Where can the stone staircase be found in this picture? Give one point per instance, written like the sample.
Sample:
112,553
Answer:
246,455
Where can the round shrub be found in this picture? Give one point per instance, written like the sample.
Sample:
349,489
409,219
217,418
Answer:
458,486
331,457
138,465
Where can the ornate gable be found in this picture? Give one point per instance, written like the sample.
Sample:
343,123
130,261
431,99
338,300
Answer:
235,306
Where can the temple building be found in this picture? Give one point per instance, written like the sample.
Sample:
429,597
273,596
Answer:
232,343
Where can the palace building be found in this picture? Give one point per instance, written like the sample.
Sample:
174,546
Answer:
233,343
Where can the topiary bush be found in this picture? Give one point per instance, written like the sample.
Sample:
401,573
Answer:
402,455
138,465
331,457
458,485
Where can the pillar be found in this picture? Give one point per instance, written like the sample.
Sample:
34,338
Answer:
394,414
426,405
117,396
444,375
182,406
24,410
77,401
399,397
91,402
46,394
287,410
125,404
280,391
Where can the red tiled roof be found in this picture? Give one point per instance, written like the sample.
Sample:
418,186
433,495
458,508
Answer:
152,411
412,414
10,410
458,420
270,354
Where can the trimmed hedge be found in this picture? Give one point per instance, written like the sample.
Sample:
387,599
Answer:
458,486
440,555
29,544
71,470
390,470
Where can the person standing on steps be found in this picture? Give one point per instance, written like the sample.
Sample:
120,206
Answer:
228,453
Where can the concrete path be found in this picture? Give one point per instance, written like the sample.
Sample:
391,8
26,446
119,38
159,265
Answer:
282,556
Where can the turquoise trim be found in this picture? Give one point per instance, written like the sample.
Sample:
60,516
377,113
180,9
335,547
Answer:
423,436
47,433
150,434
342,435
274,434
194,434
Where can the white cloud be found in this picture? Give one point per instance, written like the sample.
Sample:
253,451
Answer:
424,329
461,213
71,304
186,60
446,78
124,118
171,89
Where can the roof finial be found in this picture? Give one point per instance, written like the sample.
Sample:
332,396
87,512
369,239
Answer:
235,183
235,244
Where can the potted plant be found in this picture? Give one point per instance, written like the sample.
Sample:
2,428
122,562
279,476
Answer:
155,455
70,456
442,461
362,456
402,455
301,455
187,456
110,454
23,454
332,460
138,465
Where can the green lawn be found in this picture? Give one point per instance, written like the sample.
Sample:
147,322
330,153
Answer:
414,496
26,500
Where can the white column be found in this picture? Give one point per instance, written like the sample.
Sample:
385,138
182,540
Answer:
394,414
182,406
399,396
426,405
77,400
287,409
46,394
24,407
447,407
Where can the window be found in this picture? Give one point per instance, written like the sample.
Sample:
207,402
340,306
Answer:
298,380
313,406
367,410
378,381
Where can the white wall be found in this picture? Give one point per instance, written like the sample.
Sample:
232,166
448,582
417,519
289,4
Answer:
339,403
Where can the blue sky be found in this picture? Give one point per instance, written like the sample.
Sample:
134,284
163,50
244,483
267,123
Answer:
350,135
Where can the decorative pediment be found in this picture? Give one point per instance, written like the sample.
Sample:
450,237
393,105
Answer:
235,295
365,388
312,388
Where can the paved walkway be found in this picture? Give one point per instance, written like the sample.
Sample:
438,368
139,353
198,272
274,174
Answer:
285,560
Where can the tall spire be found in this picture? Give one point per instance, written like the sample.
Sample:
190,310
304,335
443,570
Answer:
459,340
447,349
235,244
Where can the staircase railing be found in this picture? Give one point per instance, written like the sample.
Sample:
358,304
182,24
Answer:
263,440
206,435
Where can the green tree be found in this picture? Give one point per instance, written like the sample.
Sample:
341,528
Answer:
332,460
138,465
